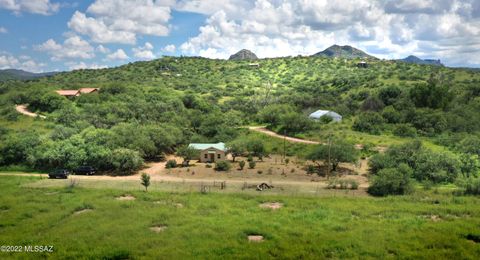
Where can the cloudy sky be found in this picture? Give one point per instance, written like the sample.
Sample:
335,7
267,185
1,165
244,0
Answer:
48,35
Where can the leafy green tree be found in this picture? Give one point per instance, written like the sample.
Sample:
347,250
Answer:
391,115
469,165
470,145
241,164
272,114
145,181
16,147
187,153
294,123
47,102
252,164
369,122
222,166
337,152
405,130
237,148
388,95
372,103
67,115
256,148
436,166
171,164
126,161
391,181
432,95
429,121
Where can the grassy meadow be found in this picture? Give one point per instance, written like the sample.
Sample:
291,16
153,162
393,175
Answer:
424,225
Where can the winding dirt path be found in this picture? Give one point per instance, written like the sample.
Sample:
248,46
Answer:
22,109
262,129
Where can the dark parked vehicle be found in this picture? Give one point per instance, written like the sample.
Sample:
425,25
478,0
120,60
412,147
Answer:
85,170
58,174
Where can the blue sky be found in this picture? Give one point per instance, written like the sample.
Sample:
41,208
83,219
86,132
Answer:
49,35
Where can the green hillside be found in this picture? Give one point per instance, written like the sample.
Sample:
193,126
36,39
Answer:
14,74
147,108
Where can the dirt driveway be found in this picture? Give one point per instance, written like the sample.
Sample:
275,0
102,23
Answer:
22,109
262,129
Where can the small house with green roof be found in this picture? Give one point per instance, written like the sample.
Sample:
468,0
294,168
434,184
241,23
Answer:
209,153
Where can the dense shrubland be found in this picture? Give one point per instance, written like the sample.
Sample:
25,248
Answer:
147,109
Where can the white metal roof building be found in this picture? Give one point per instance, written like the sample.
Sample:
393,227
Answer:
320,113
199,146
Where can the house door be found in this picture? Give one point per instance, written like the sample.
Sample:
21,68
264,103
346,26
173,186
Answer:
212,157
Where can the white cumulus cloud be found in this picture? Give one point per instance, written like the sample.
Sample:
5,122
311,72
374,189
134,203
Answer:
102,49
8,61
169,48
43,7
83,65
144,52
3,30
121,21
447,29
73,47
118,55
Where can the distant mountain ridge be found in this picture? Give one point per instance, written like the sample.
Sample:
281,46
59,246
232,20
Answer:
243,55
14,74
346,51
417,60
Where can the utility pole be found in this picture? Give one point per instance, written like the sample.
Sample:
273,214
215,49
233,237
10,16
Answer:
284,144
329,154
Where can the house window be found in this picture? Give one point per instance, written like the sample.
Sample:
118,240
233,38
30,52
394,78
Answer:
206,156
219,156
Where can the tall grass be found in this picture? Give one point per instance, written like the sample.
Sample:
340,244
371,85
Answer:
216,225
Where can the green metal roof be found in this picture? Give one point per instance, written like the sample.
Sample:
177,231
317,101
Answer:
198,146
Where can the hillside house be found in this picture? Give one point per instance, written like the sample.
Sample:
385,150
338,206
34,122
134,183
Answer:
362,64
68,93
209,153
88,90
326,113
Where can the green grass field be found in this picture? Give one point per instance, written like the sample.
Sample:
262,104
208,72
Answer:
425,225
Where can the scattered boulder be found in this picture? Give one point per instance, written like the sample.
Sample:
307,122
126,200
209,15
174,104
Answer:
174,204
126,197
271,205
255,238
82,211
158,228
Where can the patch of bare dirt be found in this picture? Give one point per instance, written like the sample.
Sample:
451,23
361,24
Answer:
79,212
22,109
126,197
174,204
158,228
434,218
288,138
255,238
271,205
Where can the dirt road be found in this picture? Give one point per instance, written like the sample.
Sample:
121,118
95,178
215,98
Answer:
22,109
166,178
262,129
288,138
